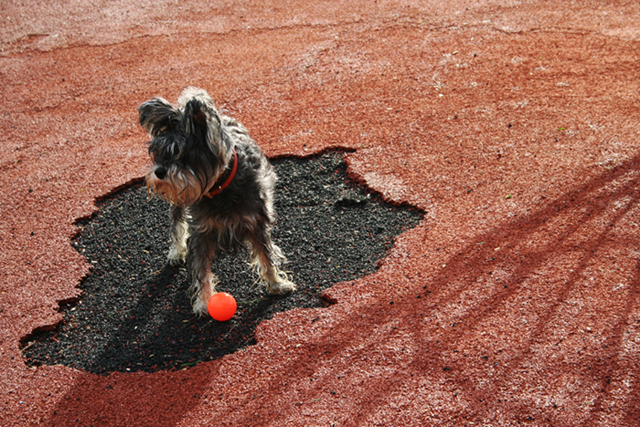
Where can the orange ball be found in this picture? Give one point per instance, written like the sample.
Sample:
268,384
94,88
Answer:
222,306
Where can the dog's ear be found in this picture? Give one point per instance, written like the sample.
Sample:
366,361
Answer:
158,116
202,120
196,115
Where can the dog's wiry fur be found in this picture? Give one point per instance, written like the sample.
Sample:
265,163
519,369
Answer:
191,147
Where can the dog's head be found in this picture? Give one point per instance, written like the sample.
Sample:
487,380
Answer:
189,146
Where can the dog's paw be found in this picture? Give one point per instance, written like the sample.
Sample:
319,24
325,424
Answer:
203,292
200,307
177,255
281,285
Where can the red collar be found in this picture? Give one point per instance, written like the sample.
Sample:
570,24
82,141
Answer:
217,189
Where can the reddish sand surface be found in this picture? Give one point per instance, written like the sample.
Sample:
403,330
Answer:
514,124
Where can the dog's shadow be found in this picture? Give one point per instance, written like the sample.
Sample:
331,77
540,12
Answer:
134,313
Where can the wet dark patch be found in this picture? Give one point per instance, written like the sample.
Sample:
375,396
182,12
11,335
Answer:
134,313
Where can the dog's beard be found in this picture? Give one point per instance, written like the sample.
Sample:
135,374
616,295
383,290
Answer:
179,188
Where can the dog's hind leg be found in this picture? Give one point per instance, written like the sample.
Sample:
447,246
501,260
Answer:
267,258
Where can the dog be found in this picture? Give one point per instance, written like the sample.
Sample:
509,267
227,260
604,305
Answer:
220,187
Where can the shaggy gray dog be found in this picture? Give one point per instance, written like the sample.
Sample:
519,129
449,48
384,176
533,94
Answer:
220,186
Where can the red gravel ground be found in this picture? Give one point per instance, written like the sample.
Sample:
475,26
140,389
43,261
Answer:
514,124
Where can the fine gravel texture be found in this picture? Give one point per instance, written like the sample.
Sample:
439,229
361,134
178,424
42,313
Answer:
134,313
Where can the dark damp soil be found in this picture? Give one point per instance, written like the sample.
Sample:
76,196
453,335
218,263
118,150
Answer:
134,313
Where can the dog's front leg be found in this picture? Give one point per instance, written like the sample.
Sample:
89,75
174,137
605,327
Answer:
203,286
179,236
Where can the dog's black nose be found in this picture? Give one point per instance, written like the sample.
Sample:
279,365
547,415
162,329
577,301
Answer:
160,172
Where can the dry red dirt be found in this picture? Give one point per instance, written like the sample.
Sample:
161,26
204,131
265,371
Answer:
513,124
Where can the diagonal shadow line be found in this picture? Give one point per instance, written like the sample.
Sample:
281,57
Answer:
509,235
524,271
510,239
517,231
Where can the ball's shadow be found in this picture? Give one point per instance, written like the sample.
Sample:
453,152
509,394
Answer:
134,313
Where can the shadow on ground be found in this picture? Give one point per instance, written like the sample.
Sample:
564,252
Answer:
134,313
